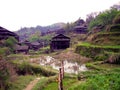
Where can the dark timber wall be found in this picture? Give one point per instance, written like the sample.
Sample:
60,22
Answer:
60,42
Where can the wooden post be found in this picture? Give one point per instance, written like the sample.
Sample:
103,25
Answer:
60,87
62,65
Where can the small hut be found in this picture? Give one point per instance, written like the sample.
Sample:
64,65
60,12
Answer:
80,29
35,45
60,42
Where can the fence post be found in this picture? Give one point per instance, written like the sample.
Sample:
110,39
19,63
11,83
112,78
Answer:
60,80
62,65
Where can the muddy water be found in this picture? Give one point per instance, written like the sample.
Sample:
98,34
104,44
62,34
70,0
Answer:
69,67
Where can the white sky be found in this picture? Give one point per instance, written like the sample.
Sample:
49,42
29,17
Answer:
15,14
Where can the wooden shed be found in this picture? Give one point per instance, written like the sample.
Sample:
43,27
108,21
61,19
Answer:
35,45
22,49
80,29
60,42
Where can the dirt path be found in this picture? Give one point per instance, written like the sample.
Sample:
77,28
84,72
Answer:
31,84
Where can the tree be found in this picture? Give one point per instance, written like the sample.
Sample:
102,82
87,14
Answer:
10,43
35,36
69,27
90,17
104,18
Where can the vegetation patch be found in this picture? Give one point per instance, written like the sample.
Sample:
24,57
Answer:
21,82
43,82
99,77
109,81
96,52
24,68
67,82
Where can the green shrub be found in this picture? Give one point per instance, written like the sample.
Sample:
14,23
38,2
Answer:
4,51
103,18
26,68
10,43
4,79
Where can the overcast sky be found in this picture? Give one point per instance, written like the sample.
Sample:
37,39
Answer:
15,14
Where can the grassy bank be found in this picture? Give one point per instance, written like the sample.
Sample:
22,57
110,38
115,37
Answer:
97,52
21,82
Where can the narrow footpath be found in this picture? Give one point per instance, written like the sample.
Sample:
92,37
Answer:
31,84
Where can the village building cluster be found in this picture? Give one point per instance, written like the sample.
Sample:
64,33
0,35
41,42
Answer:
60,41
26,46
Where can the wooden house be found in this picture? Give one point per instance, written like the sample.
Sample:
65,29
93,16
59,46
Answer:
80,29
4,34
60,42
22,49
35,45
60,31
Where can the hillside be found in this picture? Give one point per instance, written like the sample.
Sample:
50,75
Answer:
106,37
103,40
25,32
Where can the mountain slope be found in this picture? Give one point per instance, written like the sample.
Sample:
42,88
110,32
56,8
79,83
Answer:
25,32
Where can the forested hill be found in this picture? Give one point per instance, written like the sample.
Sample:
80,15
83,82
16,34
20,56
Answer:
28,31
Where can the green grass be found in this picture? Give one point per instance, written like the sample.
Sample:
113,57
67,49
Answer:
21,82
99,46
67,82
52,86
27,68
51,83
101,67
108,81
100,77
96,52
73,86
43,82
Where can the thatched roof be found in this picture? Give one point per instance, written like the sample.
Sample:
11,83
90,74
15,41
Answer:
80,27
60,36
4,34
